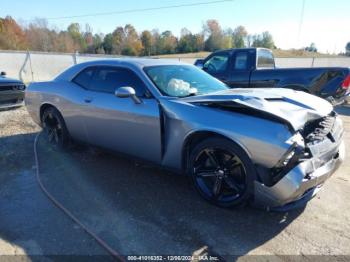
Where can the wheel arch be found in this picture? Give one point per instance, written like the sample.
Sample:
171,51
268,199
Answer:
45,106
196,137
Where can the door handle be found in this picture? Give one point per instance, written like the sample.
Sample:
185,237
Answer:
87,100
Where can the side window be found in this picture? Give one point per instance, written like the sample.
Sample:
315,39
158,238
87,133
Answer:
241,61
108,79
265,59
83,79
217,63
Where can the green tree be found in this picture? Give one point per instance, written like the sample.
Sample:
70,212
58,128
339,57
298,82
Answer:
78,39
311,48
108,44
239,36
199,43
262,40
267,40
256,41
132,45
214,36
146,39
155,42
226,42
187,42
98,44
167,43
118,40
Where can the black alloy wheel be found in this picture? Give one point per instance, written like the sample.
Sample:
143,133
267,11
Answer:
222,172
55,128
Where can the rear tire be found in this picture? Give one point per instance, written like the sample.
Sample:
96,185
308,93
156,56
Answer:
55,128
221,172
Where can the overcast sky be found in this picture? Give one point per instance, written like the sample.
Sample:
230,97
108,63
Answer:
325,22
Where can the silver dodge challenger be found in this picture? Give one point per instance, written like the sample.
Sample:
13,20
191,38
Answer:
271,147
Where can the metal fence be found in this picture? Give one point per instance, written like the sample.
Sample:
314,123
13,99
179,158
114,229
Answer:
40,66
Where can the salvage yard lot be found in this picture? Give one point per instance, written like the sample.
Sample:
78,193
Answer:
143,210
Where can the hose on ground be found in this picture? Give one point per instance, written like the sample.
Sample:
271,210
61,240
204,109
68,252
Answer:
59,205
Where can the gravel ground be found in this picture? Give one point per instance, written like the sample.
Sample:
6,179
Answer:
143,210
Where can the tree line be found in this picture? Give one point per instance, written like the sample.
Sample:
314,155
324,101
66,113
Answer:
125,40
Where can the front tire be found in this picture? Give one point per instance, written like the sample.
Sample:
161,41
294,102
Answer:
221,172
55,128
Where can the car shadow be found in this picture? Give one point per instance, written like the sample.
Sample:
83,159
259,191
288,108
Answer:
143,210
29,223
343,110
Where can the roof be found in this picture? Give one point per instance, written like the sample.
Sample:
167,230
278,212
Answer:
135,61
242,49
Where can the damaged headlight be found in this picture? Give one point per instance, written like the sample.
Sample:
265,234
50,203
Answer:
290,158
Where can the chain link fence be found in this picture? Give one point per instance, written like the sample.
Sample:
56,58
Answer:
40,66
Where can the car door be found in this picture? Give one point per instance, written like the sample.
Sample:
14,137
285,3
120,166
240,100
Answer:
121,124
217,65
240,70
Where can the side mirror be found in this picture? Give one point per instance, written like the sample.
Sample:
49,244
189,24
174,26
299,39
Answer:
127,91
3,73
199,63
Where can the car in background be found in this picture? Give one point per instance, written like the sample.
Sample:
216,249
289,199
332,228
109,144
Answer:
272,147
11,92
255,67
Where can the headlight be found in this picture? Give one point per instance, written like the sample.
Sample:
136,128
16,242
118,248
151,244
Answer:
288,156
289,159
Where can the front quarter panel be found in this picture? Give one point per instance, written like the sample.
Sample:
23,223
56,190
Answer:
264,140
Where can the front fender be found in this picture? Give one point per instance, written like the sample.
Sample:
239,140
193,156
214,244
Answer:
265,141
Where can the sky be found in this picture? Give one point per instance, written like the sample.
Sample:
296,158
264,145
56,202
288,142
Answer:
325,22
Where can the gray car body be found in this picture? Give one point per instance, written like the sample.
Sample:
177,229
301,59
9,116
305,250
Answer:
160,128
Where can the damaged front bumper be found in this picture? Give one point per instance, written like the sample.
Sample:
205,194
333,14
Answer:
302,182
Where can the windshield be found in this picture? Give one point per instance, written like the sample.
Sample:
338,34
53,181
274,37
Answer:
183,80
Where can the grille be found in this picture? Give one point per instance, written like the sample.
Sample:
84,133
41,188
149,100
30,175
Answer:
318,129
12,88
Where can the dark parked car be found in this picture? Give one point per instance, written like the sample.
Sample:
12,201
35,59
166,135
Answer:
255,67
11,92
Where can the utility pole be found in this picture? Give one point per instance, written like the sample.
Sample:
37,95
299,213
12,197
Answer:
301,21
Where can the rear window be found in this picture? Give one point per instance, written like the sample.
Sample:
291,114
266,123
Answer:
108,79
265,59
83,79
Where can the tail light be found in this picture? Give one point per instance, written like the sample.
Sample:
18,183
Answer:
346,84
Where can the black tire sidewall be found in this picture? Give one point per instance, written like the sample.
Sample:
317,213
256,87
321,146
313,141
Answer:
64,141
232,147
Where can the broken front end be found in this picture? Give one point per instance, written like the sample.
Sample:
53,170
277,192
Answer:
315,153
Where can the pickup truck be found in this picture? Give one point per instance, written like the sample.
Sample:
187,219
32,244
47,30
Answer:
255,67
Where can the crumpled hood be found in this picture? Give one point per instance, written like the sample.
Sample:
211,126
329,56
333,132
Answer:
294,107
